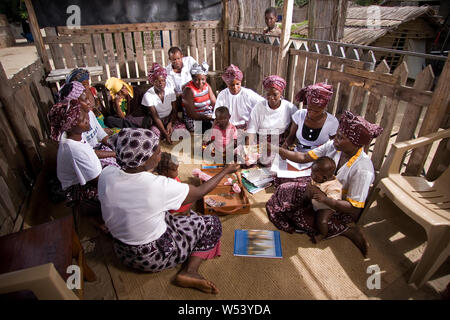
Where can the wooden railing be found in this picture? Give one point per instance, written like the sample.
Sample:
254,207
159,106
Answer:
359,85
24,102
128,50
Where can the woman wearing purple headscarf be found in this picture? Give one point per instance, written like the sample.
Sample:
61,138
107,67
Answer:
312,126
239,100
135,208
290,209
273,115
161,101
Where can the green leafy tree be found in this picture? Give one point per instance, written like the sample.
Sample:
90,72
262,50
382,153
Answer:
15,10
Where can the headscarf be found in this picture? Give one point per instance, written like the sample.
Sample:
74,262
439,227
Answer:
156,71
200,68
62,118
78,74
357,129
232,73
114,85
133,146
70,91
274,81
318,94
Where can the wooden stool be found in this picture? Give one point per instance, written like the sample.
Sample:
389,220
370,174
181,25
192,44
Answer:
53,242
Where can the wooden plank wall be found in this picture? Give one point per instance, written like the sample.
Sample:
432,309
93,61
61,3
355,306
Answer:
253,15
23,125
379,95
127,51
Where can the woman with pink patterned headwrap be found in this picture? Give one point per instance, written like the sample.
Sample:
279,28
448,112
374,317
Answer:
161,101
312,126
290,207
239,100
273,115
78,167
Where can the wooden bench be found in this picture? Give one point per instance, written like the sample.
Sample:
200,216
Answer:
61,74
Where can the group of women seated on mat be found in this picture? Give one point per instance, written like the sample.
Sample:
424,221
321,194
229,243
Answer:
114,160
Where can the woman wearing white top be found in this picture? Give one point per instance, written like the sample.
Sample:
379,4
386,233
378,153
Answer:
312,126
77,166
239,100
135,207
161,100
290,210
272,116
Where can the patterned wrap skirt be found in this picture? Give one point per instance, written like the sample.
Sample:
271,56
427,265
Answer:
190,123
110,161
185,235
175,125
86,193
289,210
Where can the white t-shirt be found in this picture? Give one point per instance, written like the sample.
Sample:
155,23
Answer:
177,80
76,162
134,205
240,105
96,134
151,98
263,119
329,128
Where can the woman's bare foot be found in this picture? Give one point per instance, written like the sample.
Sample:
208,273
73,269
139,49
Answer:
355,234
194,280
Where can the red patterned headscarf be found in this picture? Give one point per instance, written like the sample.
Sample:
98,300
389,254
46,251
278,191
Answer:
156,71
63,117
357,129
318,94
274,81
232,73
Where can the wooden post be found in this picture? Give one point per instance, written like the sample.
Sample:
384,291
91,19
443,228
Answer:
326,19
433,118
37,36
288,8
226,40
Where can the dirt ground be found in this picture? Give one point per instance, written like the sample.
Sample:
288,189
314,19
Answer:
18,57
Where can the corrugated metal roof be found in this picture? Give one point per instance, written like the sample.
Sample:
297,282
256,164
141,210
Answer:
364,25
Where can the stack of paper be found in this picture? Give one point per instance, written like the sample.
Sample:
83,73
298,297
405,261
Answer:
256,179
289,169
258,176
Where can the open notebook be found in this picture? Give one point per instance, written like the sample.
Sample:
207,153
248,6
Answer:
289,169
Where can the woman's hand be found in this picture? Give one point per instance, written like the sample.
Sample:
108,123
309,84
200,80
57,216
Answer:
169,129
108,131
232,167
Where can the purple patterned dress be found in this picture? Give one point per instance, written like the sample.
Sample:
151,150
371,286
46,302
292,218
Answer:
289,210
185,236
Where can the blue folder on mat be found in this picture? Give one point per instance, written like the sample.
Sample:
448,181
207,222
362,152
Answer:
257,243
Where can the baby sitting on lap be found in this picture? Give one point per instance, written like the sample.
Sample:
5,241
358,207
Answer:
322,175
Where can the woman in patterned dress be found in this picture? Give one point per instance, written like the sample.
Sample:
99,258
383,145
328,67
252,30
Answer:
135,207
290,209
